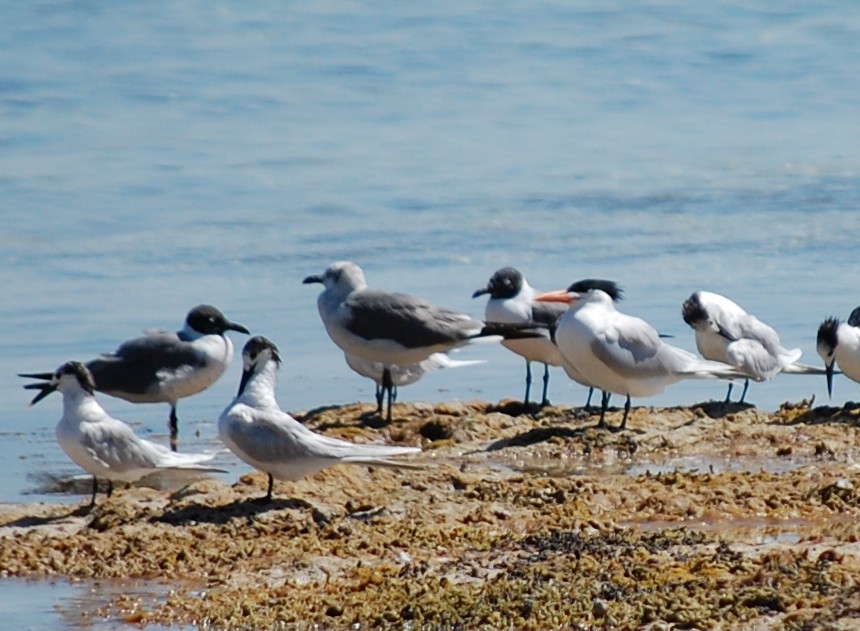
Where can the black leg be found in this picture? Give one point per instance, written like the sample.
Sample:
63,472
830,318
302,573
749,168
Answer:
544,401
174,428
528,383
380,397
393,393
744,393
110,488
387,385
268,497
604,403
626,413
729,393
95,490
588,401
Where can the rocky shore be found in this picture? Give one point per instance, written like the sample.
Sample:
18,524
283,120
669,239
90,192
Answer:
712,516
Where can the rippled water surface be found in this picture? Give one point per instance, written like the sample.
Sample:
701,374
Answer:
157,155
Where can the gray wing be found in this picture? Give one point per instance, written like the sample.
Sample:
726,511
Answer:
276,437
631,351
115,445
548,312
135,365
409,321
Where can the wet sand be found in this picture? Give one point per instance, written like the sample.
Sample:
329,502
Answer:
713,516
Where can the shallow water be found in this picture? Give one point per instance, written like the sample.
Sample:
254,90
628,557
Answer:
33,605
156,156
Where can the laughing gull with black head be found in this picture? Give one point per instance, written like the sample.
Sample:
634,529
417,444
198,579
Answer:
393,328
512,300
163,367
106,447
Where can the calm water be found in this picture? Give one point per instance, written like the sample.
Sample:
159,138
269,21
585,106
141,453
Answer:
158,155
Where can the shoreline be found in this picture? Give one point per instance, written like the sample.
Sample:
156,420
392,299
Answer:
709,515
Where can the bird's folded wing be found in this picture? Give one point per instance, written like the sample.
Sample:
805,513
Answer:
409,321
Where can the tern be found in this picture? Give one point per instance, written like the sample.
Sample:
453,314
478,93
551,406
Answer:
839,343
726,333
103,446
163,367
394,328
401,375
512,300
620,353
255,428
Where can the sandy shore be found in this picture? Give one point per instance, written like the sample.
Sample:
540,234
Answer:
713,516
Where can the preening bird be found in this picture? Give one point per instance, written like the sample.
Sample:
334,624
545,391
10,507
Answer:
725,332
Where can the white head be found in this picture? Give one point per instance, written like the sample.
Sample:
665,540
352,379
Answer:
340,278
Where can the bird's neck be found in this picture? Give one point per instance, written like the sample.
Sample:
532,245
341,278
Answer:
259,392
79,405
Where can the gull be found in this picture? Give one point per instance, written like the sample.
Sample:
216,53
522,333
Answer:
393,328
620,353
725,332
839,342
163,367
512,300
401,375
255,428
103,446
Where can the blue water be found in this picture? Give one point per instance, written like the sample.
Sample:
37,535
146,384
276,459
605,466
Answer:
158,155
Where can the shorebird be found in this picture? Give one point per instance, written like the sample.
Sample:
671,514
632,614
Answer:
163,367
255,428
725,332
103,446
512,300
839,343
393,328
622,354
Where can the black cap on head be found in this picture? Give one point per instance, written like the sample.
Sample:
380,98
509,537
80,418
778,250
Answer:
504,283
208,320
827,335
257,345
854,318
693,311
610,287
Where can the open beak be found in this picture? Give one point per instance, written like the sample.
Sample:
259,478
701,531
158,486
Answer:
315,278
45,376
481,292
560,295
45,388
829,373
